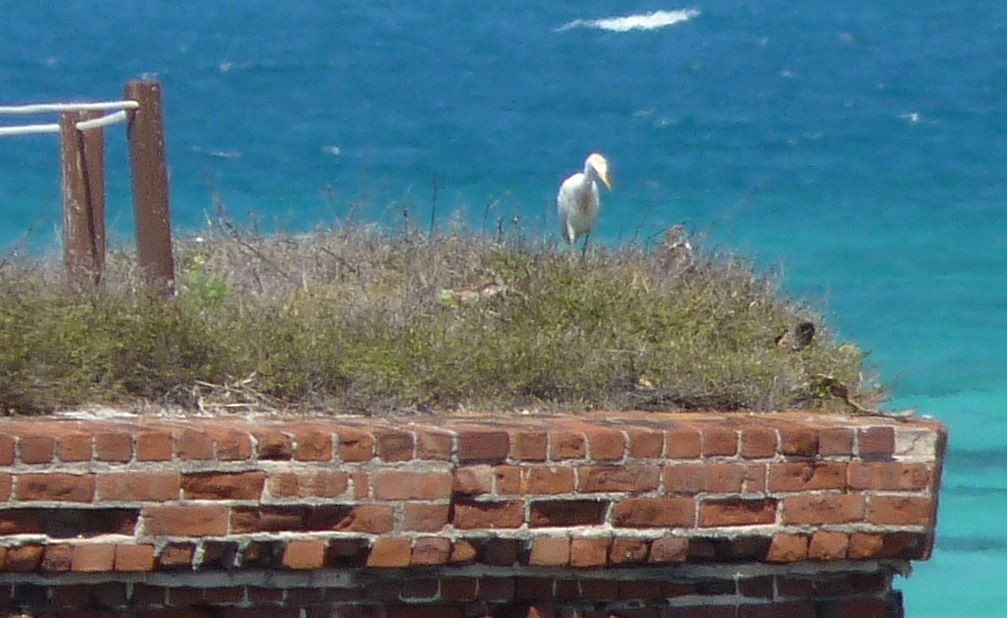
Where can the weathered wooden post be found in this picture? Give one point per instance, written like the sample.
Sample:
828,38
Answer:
150,187
82,159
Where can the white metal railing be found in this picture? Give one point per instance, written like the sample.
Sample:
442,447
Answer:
84,125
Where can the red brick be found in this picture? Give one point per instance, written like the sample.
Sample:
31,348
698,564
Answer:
628,551
6,486
757,587
682,443
425,517
876,441
7,449
233,445
304,554
93,558
74,447
473,480
900,511
589,551
645,443
361,485
36,449
194,445
396,485
224,486
550,551
719,441
175,556
508,479
668,549
827,546
807,476
419,589
533,589
789,609
113,447
566,513
57,558
23,558
355,445
55,487
889,476
526,445
274,445
632,478
375,519
835,441
185,520
567,445
462,551
138,486
431,552
856,608
345,552
828,509
788,548
153,446
230,595
495,589
605,444
483,445
490,515
690,479
758,442
654,513
799,441
458,588
312,444
309,484
394,445
434,445
390,552
715,513
134,558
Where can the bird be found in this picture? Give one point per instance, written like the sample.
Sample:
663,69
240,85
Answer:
577,202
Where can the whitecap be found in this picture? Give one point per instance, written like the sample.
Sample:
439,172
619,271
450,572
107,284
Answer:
332,150
910,117
226,154
643,21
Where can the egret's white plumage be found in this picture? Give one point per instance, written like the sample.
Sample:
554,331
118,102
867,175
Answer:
577,202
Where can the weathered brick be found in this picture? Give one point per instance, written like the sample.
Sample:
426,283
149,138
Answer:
715,513
224,485
36,449
308,484
757,587
55,487
567,445
7,450
312,444
347,552
431,551
758,442
138,486
889,476
683,443
355,445
233,445
550,551
876,442
462,551
835,441
6,486
134,558
495,589
589,551
900,511
473,480
390,552
74,447
500,552
374,519
631,478
394,445
628,551
458,588
823,509
528,445
113,446
304,554
153,446
194,445
361,485
654,513
566,513
645,443
57,558
419,589
668,549
693,478
434,445
23,558
402,485
273,445
185,520
483,445
425,517
507,480
827,546
93,558
807,476
490,515
605,444
799,441
788,548
719,441
598,590
175,556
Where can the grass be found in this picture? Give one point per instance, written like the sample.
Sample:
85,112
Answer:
363,320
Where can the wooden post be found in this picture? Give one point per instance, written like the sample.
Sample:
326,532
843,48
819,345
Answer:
150,187
82,159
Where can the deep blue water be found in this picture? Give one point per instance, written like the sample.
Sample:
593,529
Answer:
870,136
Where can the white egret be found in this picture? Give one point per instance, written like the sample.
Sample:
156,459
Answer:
577,202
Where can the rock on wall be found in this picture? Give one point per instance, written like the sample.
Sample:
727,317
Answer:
734,515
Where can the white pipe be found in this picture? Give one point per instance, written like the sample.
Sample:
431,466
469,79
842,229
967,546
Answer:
42,108
29,129
105,120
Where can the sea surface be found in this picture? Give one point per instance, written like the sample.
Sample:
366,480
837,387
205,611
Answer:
856,149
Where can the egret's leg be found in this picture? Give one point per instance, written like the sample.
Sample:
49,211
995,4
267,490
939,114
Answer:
587,237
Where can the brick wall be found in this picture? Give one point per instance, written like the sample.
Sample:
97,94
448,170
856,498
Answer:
730,515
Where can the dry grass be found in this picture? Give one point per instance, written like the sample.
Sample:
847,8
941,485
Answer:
360,320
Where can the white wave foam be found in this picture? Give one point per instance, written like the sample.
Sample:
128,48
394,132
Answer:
643,21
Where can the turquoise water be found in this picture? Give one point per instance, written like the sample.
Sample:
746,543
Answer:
870,138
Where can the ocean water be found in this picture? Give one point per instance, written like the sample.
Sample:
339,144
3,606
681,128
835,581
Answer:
856,149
